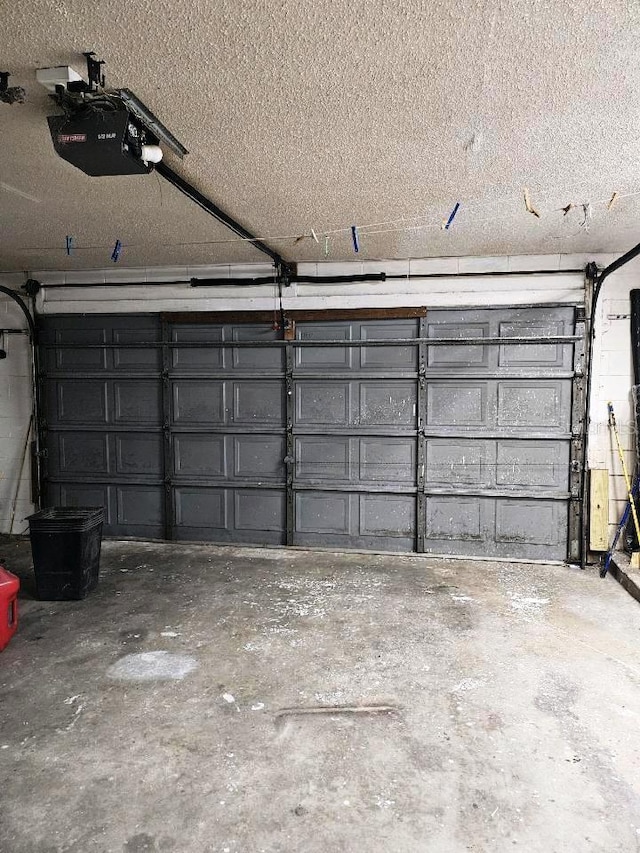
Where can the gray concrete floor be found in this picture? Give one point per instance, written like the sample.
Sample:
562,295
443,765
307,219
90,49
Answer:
494,707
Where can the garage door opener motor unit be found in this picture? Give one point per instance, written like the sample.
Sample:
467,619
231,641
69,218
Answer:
103,131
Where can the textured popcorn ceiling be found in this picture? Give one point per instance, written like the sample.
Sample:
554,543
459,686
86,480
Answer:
303,115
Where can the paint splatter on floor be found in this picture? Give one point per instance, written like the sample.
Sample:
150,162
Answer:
152,666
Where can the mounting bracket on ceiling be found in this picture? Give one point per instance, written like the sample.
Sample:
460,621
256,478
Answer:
94,71
10,94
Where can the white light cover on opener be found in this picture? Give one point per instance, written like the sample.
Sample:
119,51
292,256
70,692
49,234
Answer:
60,75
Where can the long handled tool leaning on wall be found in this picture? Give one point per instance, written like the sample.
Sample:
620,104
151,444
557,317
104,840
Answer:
625,473
621,525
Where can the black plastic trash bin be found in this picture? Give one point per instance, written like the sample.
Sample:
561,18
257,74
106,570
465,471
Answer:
65,543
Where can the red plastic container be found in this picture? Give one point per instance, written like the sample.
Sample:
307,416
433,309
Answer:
9,586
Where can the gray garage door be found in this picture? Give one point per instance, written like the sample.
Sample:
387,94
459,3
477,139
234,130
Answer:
500,459
392,433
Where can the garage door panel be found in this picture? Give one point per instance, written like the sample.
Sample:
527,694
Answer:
77,401
459,404
137,402
537,355
388,404
198,402
137,453
523,523
78,359
387,515
259,457
387,460
458,355
533,464
136,358
388,358
199,455
321,458
496,527
139,505
459,462
496,463
256,359
355,520
225,514
202,508
77,453
314,358
544,405
258,403
206,358
323,512
129,510
81,495
260,510
455,519
319,403
343,459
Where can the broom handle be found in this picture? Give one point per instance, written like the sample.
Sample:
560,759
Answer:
627,481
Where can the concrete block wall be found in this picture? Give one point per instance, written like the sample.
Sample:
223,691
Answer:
612,380
15,411
612,376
